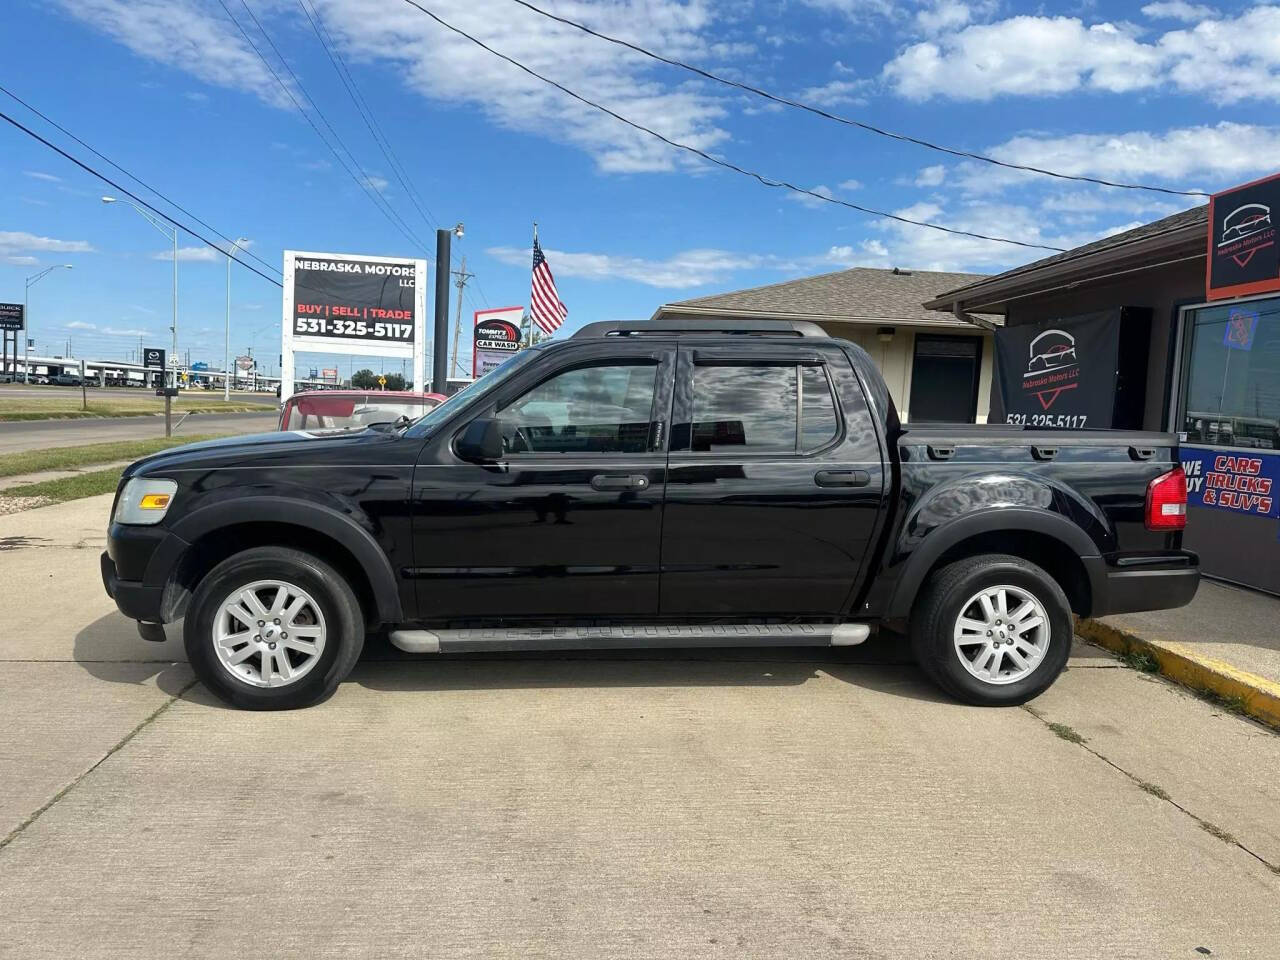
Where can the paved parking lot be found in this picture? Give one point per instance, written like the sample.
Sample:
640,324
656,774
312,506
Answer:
672,804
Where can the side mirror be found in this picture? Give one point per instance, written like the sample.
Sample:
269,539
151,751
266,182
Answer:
480,441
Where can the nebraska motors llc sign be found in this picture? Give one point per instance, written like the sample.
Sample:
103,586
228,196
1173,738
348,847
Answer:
1243,256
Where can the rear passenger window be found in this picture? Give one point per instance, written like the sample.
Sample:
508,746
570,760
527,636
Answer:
744,408
817,409
759,408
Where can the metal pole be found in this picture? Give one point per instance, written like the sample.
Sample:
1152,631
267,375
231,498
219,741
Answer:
26,334
173,355
226,342
439,357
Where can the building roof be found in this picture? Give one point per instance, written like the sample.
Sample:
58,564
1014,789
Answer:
1183,229
862,293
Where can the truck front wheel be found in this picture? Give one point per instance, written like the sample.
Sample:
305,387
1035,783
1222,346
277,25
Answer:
993,630
273,628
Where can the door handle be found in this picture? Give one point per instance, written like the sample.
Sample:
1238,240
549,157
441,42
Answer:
842,478
606,481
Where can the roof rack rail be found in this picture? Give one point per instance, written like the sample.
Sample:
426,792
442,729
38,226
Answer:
738,327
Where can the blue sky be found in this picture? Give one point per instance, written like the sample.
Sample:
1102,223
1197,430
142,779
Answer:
1170,93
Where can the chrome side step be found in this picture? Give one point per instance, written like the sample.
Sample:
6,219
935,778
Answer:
640,635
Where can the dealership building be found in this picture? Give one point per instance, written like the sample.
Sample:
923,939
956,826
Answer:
937,367
1172,326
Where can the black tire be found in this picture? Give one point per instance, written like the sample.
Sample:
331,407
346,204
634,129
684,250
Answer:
343,619
941,602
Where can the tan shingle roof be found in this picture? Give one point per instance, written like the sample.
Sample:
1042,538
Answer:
859,293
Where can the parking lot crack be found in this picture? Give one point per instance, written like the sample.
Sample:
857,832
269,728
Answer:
116,748
1071,736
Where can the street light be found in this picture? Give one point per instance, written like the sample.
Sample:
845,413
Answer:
172,233
26,336
226,360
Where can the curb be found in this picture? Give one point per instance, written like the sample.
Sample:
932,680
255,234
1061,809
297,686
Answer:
1257,696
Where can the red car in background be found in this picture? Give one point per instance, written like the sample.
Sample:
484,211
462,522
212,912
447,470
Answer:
353,409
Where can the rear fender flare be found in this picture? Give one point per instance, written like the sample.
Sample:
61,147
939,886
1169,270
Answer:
941,539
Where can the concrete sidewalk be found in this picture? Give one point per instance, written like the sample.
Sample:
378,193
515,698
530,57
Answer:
1226,643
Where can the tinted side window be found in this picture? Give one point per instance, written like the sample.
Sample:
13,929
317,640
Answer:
604,409
817,409
749,408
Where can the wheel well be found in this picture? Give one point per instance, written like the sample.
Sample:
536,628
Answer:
215,546
1050,554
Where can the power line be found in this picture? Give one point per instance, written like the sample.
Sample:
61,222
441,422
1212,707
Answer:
365,111
759,177
384,208
173,203
133,196
849,121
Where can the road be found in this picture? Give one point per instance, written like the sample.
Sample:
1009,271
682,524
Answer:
40,434
761,804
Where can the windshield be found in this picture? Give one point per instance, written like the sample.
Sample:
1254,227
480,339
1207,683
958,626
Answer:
351,413
472,391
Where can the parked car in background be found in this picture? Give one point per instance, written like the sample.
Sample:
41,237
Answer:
353,409
65,380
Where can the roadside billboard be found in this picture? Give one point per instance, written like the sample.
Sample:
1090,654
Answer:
11,316
352,304
496,337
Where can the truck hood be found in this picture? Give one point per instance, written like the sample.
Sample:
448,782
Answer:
297,446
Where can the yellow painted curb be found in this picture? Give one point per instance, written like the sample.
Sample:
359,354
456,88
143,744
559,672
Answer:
1259,697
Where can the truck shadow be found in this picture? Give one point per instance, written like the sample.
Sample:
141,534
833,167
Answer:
110,649
882,664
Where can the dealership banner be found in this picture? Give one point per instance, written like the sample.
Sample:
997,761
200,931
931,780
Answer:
497,337
352,304
1243,256
1059,373
1240,481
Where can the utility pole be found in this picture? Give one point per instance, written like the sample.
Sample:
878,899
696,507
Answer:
460,283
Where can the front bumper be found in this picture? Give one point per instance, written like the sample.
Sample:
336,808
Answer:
134,598
1134,584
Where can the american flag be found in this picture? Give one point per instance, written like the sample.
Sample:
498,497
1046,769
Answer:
547,311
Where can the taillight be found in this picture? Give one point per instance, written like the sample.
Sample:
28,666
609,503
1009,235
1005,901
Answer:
1167,501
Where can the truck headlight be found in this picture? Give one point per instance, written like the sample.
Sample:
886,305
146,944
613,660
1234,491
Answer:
144,500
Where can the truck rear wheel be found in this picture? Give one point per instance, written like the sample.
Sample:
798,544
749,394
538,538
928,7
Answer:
273,628
993,630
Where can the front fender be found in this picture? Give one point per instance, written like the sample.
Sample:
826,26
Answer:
308,514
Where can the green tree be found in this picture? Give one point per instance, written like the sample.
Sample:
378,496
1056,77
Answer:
364,380
395,381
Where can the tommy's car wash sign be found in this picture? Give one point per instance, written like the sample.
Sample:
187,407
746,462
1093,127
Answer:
497,337
352,304
1244,257
1059,373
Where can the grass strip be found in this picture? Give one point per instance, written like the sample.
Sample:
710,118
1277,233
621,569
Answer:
71,458
26,412
69,488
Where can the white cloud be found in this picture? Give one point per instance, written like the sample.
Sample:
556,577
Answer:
41,175
184,34
81,325
196,96
1178,10
855,9
125,332
868,253
1219,154
1225,60
376,182
17,246
931,176
850,185
201,254
942,16
835,93
813,203
691,268
450,70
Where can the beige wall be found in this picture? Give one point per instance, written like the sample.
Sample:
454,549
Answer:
894,360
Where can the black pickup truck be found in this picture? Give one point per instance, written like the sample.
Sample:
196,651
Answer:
649,484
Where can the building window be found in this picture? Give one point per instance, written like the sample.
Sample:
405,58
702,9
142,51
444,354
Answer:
1230,393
